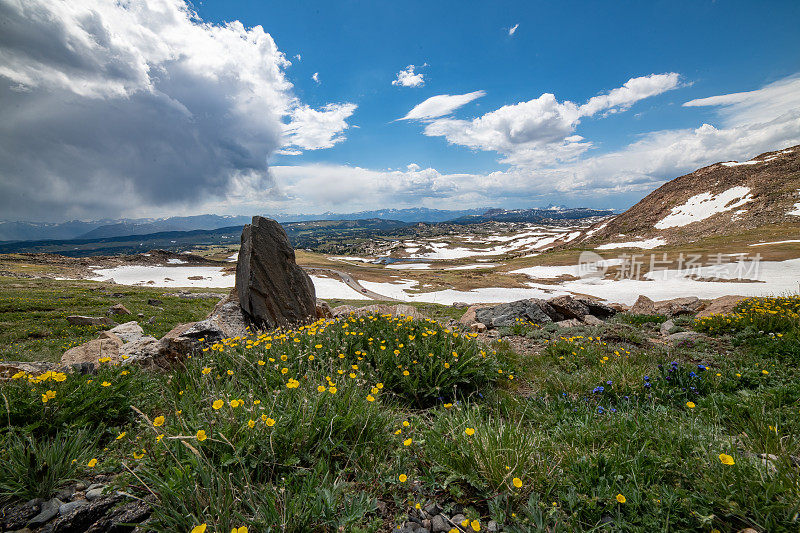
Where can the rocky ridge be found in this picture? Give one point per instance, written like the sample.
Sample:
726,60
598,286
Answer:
767,190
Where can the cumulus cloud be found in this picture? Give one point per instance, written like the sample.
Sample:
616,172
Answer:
312,129
408,78
632,170
513,29
110,108
541,131
440,105
315,77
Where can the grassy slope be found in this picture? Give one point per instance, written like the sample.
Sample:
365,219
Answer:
579,426
33,325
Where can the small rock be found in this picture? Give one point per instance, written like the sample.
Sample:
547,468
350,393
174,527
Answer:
65,493
571,323
95,486
643,306
118,309
93,494
426,524
151,320
78,320
457,519
90,352
154,302
49,510
323,309
747,530
140,315
80,485
129,331
666,326
478,327
432,509
439,524
592,320
684,336
569,307
492,526
68,507
460,305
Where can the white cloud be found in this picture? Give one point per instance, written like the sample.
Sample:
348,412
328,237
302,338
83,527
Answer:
140,105
440,105
635,89
315,77
513,29
633,170
407,78
312,129
761,105
298,57
540,131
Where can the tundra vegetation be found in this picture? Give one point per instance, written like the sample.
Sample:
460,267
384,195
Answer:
353,423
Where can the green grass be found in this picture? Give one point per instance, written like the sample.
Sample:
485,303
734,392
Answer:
33,325
347,424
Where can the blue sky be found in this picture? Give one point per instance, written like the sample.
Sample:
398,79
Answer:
160,107
574,50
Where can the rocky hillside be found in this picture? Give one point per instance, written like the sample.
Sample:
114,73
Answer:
742,195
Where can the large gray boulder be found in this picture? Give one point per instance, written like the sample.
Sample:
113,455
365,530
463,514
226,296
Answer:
504,315
273,290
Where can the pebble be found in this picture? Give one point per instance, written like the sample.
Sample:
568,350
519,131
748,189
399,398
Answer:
95,486
80,485
491,526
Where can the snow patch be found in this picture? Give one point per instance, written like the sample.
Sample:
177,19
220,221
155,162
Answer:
409,266
776,242
704,205
335,288
164,276
796,210
645,245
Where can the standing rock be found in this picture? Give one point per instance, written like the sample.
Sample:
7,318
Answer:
273,290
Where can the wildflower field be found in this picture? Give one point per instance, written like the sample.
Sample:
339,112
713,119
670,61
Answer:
355,423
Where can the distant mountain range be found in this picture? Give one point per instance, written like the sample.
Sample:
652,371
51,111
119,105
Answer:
536,215
102,229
